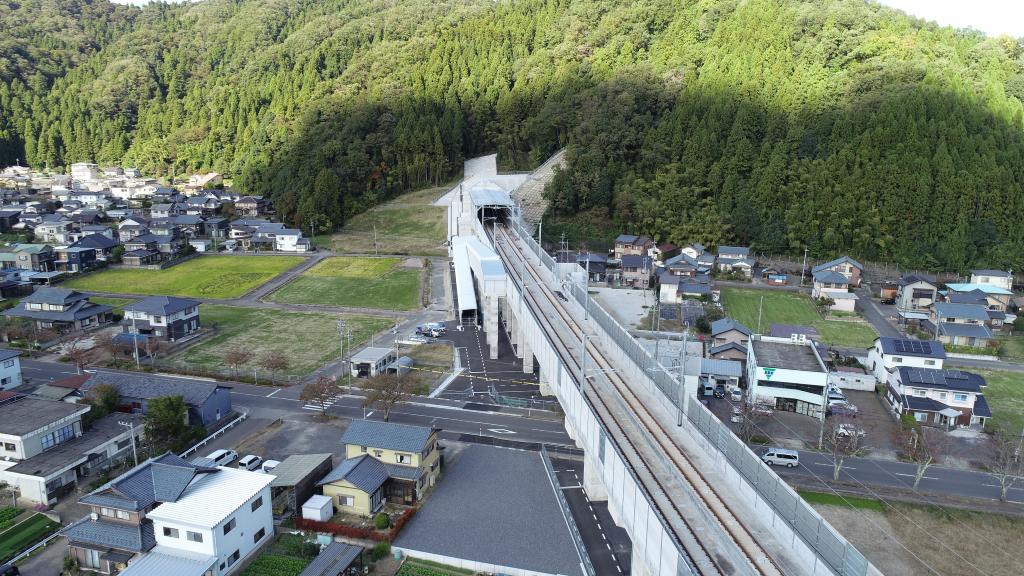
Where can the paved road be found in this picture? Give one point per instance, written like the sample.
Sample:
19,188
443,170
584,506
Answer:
608,545
873,315
879,474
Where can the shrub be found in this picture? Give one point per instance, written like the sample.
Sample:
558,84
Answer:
381,521
757,439
380,550
908,421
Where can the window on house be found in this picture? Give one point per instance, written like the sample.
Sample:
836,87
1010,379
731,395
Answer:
121,514
960,397
10,447
234,557
378,453
257,503
346,501
920,392
403,458
920,416
106,512
362,449
194,536
259,535
942,395
929,362
229,526
90,558
8,363
170,532
897,359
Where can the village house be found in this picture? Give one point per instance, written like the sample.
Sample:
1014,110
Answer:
37,257
61,309
74,259
10,369
887,354
848,267
735,259
959,324
207,402
383,462
637,270
727,330
629,245
252,206
998,278
915,292
998,297
101,244
941,398
163,317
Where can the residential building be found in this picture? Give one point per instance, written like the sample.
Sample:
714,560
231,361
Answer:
662,252
45,449
596,265
207,401
629,245
383,462
103,245
942,398
915,292
61,309
637,270
141,257
997,296
10,369
198,182
693,250
733,253
888,354
74,259
729,351
844,265
169,516
85,171
833,285
38,257
727,330
789,375
163,317
252,206
998,278
959,324
852,378
735,259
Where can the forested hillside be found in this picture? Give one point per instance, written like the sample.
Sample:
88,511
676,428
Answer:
837,125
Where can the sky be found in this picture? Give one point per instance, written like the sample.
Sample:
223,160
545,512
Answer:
993,17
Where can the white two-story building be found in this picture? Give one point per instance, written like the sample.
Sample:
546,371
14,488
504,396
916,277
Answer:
888,354
943,398
10,369
162,317
787,374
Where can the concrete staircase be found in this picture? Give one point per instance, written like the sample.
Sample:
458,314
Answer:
530,194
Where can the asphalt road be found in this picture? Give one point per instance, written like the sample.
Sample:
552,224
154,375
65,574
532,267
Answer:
879,474
608,545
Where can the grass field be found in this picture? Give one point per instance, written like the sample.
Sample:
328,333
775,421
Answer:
789,308
1012,347
355,281
25,534
409,224
307,339
903,537
203,277
1005,395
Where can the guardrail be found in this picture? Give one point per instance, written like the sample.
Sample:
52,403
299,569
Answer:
28,551
220,432
574,530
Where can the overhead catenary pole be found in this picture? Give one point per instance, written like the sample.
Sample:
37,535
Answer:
803,268
682,379
760,309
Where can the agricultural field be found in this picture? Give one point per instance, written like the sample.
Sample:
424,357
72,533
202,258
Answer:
202,277
788,308
417,567
307,339
288,556
409,224
24,534
361,282
898,538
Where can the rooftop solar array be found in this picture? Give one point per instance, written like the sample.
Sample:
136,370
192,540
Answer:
913,346
668,313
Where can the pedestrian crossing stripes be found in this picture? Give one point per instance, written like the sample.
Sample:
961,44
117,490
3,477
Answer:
316,406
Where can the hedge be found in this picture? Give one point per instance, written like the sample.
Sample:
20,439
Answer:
354,532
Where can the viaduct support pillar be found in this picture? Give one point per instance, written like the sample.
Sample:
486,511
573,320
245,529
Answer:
593,483
527,356
491,325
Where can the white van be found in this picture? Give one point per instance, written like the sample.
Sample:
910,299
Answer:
250,462
269,465
781,457
222,457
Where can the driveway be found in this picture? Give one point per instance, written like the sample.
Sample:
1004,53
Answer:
875,315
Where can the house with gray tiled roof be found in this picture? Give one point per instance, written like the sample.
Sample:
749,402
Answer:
61,309
207,402
384,462
844,265
727,330
162,317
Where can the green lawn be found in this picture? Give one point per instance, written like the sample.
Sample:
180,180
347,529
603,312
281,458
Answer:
25,534
844,501
790,308
1012,347
276,565
409,224
355,281
1005,396
307,339
203,277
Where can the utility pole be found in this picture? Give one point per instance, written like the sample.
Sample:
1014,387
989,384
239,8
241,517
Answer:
135,341
375,239
682,378
540,231
586,292
803,268
341,341
131,427
348,332
760,308
583,361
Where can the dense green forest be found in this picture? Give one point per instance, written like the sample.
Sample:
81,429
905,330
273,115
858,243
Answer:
837,125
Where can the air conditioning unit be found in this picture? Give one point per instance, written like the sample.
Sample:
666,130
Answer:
93,516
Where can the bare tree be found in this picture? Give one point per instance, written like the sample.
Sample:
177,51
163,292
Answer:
77,351
235,357
1005,464
750,415
385,391
105,341
320,392
923,446
274,362
10,490
842,439
155,347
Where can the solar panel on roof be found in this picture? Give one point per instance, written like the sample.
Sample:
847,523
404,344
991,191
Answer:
668,313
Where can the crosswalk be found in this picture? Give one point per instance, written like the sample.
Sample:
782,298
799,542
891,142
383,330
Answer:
316,406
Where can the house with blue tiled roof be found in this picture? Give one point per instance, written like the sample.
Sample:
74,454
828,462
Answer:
942,398
384,462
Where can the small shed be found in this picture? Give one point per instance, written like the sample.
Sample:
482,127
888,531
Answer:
371,361
401,366
335,560
318,508
295,479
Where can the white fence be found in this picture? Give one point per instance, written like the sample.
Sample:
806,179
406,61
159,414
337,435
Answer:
220,432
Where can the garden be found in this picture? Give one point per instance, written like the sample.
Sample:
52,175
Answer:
202,277
287,556
361,282
417,567
779,307
247,339
23,532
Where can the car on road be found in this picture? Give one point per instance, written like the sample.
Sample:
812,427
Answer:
432,329
737,415
841,409
781,457
269,465
222,457
887,301
736,395
250,462
719,391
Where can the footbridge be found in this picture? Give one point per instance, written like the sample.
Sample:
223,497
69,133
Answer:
692,497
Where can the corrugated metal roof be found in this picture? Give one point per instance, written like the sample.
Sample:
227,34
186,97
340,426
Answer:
213,497
297,467
387,435
332,560
166,561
